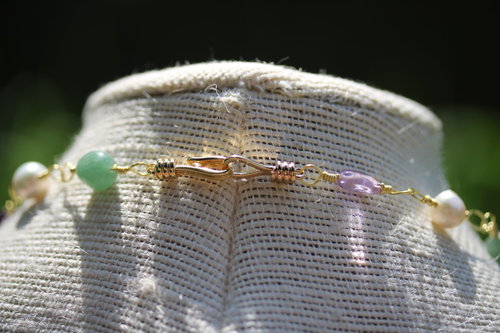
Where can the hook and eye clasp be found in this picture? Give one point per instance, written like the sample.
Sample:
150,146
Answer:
209,167
214,167
217,167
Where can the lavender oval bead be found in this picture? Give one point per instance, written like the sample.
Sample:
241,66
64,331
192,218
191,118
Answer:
359,182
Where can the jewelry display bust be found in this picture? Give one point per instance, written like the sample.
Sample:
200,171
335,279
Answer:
196,254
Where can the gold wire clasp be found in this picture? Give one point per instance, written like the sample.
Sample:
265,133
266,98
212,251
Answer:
215,164
209,162
282,172
212,167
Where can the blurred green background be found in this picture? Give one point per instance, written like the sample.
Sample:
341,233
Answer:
52,56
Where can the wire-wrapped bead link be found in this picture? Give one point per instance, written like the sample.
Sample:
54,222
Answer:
284,172
425,199
163,169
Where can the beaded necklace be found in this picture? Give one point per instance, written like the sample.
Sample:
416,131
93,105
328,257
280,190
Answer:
99,170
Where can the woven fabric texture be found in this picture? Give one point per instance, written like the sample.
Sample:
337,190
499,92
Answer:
197,255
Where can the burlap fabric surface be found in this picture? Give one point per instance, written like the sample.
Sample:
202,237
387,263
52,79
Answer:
197,255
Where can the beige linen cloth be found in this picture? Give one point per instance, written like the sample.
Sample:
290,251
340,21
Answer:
198,255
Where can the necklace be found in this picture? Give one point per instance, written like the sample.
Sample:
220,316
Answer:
99,170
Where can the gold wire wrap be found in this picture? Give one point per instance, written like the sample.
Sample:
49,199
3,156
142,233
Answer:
330,177
425,199
132,168
163,169
60,172
487,222
321,175
284,172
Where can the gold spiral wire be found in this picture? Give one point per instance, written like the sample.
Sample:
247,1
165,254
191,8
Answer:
329,177
163,169
284,172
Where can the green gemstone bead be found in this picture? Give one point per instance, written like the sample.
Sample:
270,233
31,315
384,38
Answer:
493,246
94,169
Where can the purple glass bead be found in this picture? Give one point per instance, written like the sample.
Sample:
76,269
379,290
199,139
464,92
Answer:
356,181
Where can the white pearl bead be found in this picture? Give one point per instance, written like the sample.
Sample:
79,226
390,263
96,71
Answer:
27,183
450,211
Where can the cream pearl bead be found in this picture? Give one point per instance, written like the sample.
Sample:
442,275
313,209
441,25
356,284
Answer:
27,182
450,211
